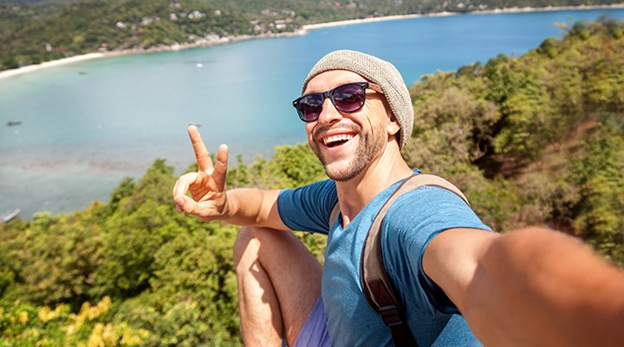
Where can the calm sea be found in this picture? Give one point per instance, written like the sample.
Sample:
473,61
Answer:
87,125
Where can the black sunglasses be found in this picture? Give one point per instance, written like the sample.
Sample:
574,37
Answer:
347,98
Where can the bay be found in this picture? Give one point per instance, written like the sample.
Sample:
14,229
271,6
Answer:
87,125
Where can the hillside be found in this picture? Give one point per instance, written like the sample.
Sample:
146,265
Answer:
133,272
36,31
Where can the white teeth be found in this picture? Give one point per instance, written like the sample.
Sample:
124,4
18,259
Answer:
336,138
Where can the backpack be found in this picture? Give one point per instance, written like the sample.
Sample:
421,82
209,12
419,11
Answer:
376,285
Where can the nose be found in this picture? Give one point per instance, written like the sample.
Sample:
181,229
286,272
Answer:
329,113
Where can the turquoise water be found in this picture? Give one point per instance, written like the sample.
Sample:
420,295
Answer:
87,125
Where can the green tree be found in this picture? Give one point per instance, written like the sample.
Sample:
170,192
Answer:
600,176
141,224
9,62
196,287
55,258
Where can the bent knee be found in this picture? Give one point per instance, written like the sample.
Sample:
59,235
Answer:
243,238
248,242
253,243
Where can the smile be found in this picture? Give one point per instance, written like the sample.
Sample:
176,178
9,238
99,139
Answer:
337,140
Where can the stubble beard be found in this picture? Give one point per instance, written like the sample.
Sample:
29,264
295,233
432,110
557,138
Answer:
368,147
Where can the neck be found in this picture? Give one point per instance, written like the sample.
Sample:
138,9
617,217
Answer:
382,172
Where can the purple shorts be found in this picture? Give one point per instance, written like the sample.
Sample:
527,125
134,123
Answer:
314,332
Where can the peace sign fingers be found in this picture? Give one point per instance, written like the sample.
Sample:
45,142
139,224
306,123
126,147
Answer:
207,186
204,163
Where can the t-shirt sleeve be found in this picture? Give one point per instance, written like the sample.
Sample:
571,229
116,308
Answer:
308,208
410,224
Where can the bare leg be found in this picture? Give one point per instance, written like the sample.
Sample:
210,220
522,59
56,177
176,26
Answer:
279,282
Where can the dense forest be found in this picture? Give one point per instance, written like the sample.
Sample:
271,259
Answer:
536,139
32,32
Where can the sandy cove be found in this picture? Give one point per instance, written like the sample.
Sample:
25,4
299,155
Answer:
177,47
31,68
304,30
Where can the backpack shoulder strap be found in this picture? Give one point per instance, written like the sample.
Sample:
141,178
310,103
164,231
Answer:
376,284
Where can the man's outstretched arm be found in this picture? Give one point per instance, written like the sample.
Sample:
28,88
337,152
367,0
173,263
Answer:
209,199
529,287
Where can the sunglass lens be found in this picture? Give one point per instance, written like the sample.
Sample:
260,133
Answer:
310,107
349,98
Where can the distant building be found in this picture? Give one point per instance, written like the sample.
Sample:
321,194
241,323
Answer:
280,24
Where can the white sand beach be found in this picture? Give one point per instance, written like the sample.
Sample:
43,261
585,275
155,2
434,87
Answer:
550,8
32,68
443,14
304,30
373,19
177,47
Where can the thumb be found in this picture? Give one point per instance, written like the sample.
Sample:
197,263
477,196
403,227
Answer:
185,204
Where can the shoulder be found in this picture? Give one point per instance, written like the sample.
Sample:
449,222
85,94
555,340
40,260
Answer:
411,223
308,208
325,189
418,215
430,205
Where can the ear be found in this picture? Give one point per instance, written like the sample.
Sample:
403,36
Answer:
393,126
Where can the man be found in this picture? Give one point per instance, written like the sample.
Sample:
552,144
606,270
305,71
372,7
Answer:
513,289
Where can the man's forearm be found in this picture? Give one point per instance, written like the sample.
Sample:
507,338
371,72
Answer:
536,287
248,206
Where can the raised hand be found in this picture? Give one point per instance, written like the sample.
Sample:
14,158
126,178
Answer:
208,200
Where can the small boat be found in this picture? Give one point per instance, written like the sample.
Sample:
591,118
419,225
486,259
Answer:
10,215
11,123
197,124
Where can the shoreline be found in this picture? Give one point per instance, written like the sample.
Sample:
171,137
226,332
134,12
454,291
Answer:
446,14
52,63
177,47
302,31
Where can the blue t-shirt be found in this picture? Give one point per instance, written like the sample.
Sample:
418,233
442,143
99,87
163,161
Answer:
411,222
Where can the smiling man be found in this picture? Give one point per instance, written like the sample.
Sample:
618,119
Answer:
441,259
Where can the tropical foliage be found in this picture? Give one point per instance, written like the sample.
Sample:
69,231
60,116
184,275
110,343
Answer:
536,139
531,139
133,271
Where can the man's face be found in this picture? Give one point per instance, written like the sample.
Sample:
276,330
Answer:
346,143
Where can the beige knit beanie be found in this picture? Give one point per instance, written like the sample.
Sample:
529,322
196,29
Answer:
376,71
